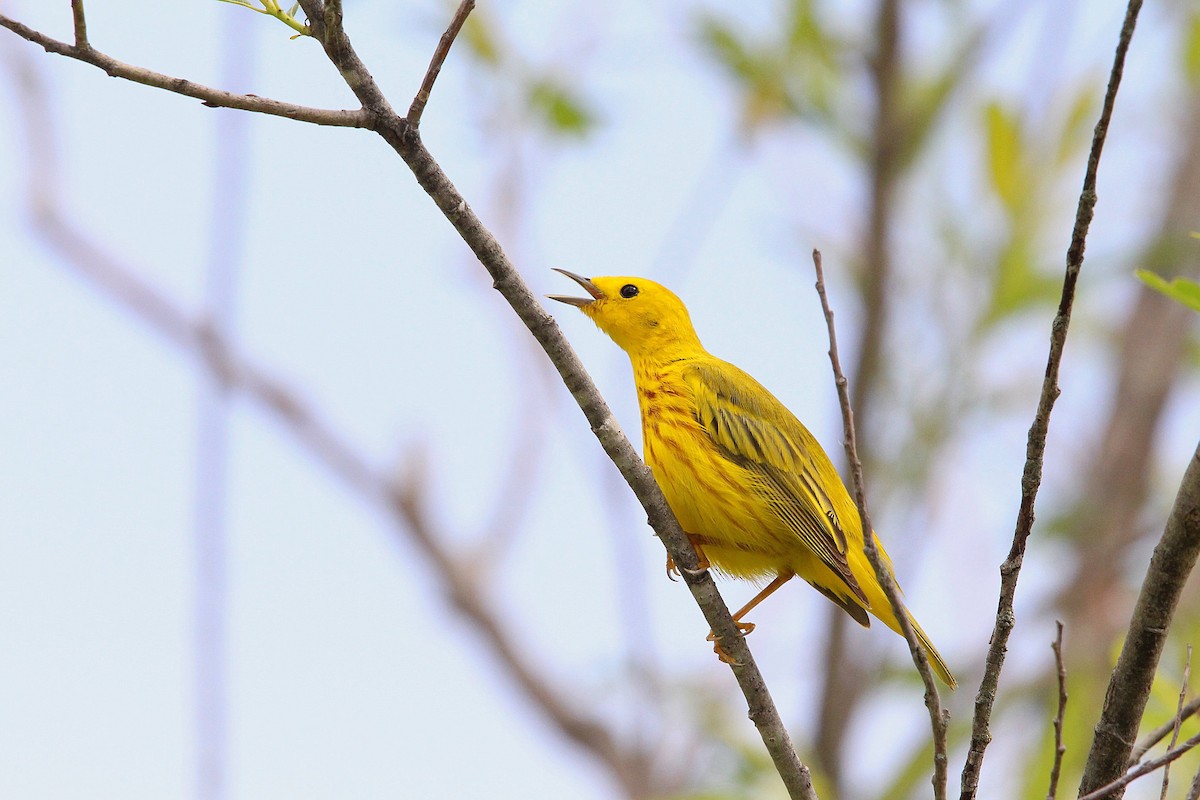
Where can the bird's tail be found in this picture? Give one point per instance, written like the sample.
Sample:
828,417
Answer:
935,658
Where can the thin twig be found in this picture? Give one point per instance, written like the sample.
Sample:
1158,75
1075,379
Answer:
435,65
1183,687
1031,478
1059,748
80,22
937,717
1194,789
214,98
1158,734
1107,790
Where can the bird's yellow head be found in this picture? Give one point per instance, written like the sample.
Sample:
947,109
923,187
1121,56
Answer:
644,318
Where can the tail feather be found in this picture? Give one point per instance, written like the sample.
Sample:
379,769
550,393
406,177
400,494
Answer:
935,658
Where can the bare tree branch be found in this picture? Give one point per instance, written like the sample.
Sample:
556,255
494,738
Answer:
1183,688
938,718
1158,734
1059,748
1031,478
1129,687
325,20
214,98
1114,789
1194,789
435,66
80,23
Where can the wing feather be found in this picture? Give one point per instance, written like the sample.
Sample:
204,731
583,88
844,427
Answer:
754,430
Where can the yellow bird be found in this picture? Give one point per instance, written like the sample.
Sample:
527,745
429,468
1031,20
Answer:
752,488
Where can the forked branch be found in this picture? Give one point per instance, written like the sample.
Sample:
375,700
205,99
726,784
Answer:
215,98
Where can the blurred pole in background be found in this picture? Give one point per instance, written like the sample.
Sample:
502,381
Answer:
211,595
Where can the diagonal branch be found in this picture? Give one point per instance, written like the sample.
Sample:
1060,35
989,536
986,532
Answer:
1112,790
406,141
1129,688
214,98
1031,478
435,65
1162,731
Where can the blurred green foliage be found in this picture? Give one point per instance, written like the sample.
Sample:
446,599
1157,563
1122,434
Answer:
793,72
551,100
1181,289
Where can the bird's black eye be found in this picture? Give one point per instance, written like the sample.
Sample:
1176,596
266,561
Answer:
629,290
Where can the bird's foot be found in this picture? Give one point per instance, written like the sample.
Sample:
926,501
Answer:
744,628
702,560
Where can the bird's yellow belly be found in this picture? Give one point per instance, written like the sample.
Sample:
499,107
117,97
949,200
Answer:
714,500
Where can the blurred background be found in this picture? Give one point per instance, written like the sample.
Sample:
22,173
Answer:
291,505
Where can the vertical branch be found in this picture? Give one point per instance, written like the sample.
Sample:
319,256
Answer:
937,717
1031,478
1059,748
1183,687
210,513
80,22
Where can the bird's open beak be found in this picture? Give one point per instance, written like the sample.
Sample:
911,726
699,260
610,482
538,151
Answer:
588,286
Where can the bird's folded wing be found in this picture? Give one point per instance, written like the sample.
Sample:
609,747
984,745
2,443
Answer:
793,474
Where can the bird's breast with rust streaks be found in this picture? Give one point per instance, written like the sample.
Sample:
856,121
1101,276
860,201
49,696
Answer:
707,491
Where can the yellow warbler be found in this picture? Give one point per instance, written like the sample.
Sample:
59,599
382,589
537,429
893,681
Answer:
751,487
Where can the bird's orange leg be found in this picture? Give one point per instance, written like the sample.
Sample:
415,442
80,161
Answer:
673,570
747,627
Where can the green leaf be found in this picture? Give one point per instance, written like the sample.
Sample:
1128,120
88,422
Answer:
1191,49
271,8
1179,289
561,112
480,40
1076,125
1006,157
924,103
761,72
728,50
